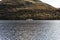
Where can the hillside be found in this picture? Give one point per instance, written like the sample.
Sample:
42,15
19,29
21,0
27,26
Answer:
27,9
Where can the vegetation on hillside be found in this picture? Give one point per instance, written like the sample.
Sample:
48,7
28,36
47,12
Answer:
28,10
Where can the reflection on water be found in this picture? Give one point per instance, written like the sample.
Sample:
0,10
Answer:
30,30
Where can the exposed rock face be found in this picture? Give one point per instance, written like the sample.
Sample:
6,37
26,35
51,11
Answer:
27,9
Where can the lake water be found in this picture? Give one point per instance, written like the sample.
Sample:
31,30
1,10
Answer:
29,30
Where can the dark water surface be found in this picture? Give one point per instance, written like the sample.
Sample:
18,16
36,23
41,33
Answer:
29,30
